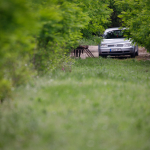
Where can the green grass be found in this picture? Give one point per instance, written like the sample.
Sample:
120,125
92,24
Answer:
102,104
95,40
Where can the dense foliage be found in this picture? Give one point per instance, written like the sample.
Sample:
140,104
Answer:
37,35
99,14
115,20
16,43
135,16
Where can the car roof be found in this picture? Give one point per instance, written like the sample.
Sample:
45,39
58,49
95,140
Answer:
111,29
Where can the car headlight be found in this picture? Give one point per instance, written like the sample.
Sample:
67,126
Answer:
103,45
127,44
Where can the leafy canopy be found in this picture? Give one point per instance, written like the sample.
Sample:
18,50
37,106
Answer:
135,16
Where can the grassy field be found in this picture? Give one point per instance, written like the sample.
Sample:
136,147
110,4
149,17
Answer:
102,104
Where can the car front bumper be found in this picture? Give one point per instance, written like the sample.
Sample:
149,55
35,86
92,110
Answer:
115,51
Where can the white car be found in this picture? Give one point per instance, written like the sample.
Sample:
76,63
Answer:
115,44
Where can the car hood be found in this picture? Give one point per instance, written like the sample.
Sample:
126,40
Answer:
121,40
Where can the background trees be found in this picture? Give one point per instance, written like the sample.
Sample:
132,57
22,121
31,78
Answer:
99,14
135,16
37,35
115,20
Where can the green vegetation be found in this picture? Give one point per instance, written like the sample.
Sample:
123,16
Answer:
37,36
55,102
135,16
115,20
99,104
95,40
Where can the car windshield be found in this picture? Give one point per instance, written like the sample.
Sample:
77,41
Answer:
113,34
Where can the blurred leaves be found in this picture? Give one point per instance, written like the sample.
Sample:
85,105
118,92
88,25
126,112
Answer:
135,16
38,35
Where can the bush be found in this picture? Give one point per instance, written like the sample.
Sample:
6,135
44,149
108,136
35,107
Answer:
38,35
135,16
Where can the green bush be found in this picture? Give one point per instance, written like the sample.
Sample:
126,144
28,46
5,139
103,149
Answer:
16,43
135,16
39,35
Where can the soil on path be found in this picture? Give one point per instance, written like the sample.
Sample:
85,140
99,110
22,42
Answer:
143,54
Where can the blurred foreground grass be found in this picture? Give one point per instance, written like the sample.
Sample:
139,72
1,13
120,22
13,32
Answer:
102,104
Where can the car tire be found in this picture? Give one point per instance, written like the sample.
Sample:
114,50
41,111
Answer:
133,54
104,56
137,52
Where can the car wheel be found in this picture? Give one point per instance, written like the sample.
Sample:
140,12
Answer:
133,54
104,56
137,52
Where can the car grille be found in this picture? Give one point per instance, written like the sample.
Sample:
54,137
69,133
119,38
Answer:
110,45
116,52
118,45
113,52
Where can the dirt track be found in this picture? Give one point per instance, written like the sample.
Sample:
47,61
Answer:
143,54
